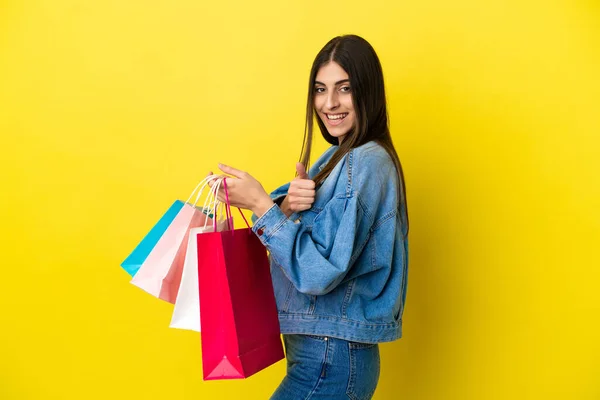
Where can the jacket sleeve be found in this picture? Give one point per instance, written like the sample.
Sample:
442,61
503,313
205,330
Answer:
316,259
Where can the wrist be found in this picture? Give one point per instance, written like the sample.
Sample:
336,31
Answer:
262,206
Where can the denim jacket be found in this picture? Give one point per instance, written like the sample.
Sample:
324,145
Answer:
340,268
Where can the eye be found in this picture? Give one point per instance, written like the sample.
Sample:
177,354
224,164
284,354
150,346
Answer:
345,89
319,90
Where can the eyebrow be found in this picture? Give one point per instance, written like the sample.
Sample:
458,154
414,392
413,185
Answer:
337,83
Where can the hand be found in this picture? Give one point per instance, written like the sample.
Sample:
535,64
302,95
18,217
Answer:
243,191
301,193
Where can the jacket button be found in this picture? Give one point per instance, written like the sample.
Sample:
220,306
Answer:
260,231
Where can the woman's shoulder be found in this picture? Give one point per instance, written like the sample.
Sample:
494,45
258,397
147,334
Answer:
366,171
373,172
369,152
370,157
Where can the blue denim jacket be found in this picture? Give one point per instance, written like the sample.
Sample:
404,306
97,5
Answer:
340,268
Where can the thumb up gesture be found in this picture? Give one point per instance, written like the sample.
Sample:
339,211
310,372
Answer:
301,193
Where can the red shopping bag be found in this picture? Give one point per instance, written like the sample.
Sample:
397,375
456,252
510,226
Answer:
240,329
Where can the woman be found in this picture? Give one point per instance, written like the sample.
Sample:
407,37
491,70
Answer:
337,235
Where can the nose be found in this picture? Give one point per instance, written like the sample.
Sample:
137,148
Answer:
332,100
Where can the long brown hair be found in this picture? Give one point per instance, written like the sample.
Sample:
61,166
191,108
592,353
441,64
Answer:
358,58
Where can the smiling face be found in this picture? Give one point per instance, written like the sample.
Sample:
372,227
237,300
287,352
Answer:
333,100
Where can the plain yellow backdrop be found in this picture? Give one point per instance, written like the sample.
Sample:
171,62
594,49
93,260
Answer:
110,110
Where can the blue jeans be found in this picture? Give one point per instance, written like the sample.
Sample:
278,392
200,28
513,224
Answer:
328,368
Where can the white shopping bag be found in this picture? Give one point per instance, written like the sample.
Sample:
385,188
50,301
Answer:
186,314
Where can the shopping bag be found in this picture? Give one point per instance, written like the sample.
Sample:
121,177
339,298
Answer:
160,273
186,314
240,329
134,261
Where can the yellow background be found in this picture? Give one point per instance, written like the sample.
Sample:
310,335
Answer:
110,110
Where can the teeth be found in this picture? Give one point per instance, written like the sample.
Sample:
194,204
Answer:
336,116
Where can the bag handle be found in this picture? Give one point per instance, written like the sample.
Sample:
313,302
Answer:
215,201
212,199
200,186
229,204
228,218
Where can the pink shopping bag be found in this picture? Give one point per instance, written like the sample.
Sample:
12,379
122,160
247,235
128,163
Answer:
160,273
